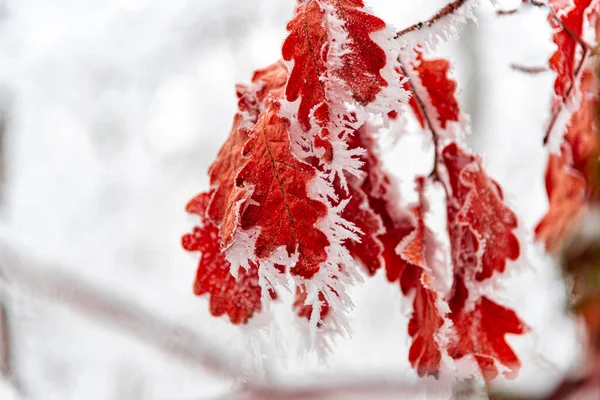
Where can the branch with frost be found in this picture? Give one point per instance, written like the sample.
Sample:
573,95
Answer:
48,283
442,27
342,388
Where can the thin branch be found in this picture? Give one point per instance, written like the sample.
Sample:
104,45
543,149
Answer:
447,10
340,388
529,70
50,284
435,136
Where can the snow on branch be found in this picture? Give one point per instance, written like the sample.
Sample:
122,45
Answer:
442,27
50,283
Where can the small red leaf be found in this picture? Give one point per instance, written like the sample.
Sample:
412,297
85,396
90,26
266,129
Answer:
364,59
307,45
566,193
481,225
572,15
481,332
441,88
426,320
238,298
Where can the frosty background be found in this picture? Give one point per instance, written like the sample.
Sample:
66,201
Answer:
113,111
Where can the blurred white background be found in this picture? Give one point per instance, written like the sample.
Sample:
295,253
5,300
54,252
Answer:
113,111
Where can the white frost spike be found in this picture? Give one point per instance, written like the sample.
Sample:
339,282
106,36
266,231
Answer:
563,118
441,28
241,251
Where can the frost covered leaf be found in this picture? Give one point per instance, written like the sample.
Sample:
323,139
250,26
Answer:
416,250
223,209
383,223
307,46
563,61
363,59
440,87
481,225
566,193
572,177
481,332
358,211
481,229
269,81
332,39
433,93
240,298
279,204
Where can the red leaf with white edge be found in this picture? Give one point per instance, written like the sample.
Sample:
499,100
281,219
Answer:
424,353
223,209
307,46
566,188
583,135
382,204
358,211
441,89
426,320
280,205
364,59
269,81
481,226
564,59
238,298
481,332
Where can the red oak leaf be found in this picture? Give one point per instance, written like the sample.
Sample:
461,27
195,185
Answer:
369,249
269,81
481,226
424,354
583,134
566,188
481,332
238,298
279,204
426,320
572,177
307,46
223,209
566,39
364,59
378,246
441,89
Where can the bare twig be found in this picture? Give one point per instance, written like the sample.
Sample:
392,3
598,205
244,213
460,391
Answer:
529,70
58,287
447,10
340,388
